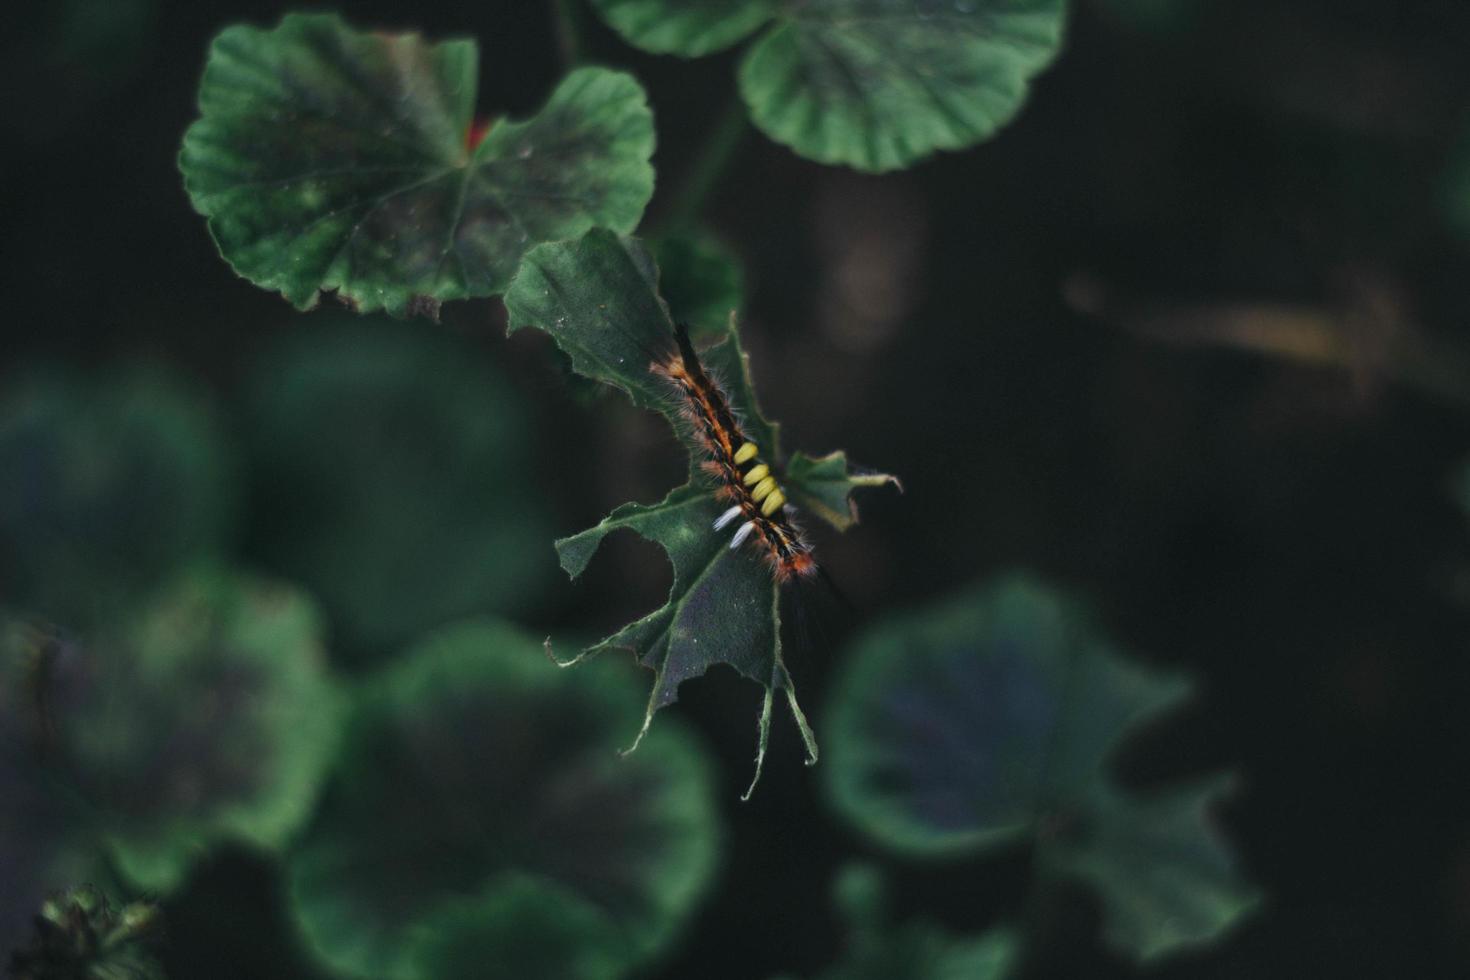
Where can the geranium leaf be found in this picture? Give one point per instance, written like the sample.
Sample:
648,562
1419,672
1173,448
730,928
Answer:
873,84
534,927
685,27
328,158
479,788
205,717
1164,876
598,298
991,720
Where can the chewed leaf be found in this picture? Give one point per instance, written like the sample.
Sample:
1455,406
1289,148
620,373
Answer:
991,720
491,784
722,607
598,298
873,84
328,158
824,485
206,717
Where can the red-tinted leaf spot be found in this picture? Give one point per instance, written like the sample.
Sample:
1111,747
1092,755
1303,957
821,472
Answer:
476,133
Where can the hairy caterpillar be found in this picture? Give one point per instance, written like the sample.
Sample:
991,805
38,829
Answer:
756,498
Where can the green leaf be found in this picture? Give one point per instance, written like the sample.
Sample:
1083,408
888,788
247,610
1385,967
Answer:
824,485
330,158
479,783
598,298
990,720
401,474
106,488
207,717
533,926
1162,873
873,84
685,27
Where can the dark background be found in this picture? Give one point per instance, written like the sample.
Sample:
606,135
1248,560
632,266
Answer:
1025,332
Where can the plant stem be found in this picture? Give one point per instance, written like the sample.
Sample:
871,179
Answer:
570,36
718,153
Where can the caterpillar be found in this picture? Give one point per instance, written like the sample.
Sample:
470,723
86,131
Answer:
756,498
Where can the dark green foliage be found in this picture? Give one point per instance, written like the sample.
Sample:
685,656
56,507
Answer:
482,820
598,298
873,84
328,158
106,487
204,716
80,936
989,720
690,29
526,925
399,478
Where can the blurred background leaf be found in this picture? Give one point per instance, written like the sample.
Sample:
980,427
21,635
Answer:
480,782
107,485
525,925
204,717
989,720
877,949
328,158
395,478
